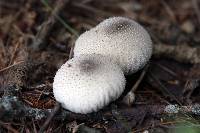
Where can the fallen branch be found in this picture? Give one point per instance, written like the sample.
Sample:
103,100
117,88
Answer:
182,53
40,40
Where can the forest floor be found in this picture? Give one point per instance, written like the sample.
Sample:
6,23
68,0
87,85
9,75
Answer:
36,38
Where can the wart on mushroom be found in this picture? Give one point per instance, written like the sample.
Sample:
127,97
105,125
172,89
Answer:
121,39
87,83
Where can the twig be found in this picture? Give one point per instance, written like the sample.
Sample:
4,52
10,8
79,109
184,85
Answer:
8,127
140,79
189,87
40,41
54,111
34,127
57,105
163,89
56,11
121,120
130,97
2,46
14,52
196,9
16,16
169,11
6,68
167,70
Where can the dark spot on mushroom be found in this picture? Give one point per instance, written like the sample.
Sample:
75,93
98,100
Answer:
117,27
87,66
96,31
69,65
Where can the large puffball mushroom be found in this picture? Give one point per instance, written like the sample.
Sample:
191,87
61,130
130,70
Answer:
87,83
122,39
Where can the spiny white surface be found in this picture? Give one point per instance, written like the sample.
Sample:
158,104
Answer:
122,39
87,83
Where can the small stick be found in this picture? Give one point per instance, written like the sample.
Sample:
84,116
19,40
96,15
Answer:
6,68
140,79
163,89
52,114
130,97
167,70
8,127
169,10
39,41
196,9
14,52
57,106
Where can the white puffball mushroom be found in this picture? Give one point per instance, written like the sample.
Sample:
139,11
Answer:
87,83
122,39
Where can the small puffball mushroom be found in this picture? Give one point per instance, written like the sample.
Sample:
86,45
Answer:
87,83
121,39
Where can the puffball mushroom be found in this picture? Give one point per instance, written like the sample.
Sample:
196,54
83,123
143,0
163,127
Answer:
87,83
122,39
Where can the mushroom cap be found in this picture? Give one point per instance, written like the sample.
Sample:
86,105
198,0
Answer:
87,83
122,39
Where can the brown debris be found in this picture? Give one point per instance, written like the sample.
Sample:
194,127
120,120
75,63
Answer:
26,74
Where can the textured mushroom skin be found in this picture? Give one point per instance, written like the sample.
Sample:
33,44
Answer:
87,83
121,39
